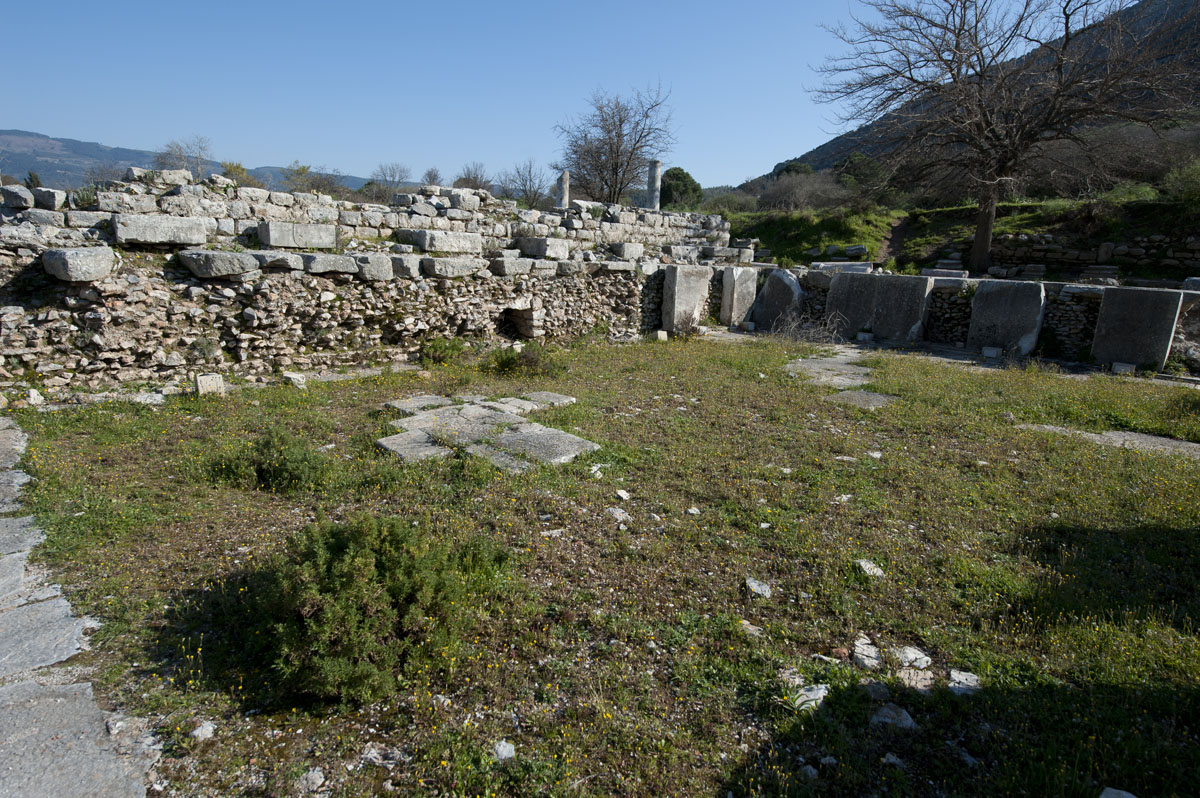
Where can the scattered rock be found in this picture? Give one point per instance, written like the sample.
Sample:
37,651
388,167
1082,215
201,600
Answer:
623,495
693,511
867,655
912,657
963,682
875,455
758,588
913,679
810,698
869,568
35,398
751,629
791,678
809,772
311,781
893,715
892,760
1112,792
295,379
504,751
619,515
204,731
875,689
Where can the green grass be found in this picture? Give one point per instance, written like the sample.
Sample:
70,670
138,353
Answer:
1063,573
788,235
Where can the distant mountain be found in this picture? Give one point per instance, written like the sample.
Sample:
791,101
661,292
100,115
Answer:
1146,15
68,163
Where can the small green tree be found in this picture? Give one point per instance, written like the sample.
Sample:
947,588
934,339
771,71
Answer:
680,189
33,180
238,174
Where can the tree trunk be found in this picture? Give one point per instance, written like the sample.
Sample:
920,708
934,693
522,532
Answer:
981,250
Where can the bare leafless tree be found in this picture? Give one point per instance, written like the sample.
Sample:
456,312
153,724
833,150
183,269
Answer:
526,182
609,148
385,181
981,87
190,154
432,177
473,175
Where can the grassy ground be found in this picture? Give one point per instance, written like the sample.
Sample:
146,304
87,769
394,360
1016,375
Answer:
1063,573
788,235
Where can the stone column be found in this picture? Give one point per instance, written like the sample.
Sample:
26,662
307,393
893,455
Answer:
654,186
564,189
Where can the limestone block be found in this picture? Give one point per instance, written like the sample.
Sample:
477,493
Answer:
779,303
215,263
1136,325
283,198
685,297
423,209
374,266
464,201
452,267
49,199
134,229
548,248
569,267
274,259
406,267
87,218
118,202
41,218
683,253
211,384
83,265
506,267
254,195
612,266
1007,314
294,235
16,196
322,263
739,285
453,243
629,250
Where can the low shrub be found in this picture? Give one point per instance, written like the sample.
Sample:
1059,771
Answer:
532,360
437,351
356,599
276,461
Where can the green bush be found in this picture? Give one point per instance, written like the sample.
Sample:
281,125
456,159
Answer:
1183,184
680,190
276,461
442,350
356,599
533,360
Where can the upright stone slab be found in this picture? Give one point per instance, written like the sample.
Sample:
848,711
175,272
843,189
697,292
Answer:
1007,314
564,189
850,304
1136,325
291,235
548,248
654,186
685,297
901,306
739,284
779,303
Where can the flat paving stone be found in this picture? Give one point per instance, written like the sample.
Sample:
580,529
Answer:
544,444
550,399
11,483
415,404
12,446
1125,440
37,635
831,373
19,534
54,744
867,400
12,576
503,460
413,445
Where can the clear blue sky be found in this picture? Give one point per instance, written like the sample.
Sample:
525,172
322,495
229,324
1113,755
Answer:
349,85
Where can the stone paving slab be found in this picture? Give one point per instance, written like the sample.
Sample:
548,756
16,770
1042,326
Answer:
1125,440
415,404
54,744
545,444
39,634
501,459
11,483
19,534
550,399
867,400
413,445
834,371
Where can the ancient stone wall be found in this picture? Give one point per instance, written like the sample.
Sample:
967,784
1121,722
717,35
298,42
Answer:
158,277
